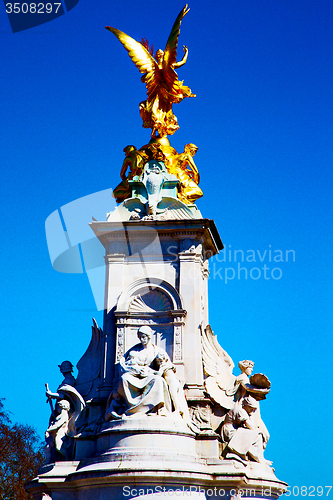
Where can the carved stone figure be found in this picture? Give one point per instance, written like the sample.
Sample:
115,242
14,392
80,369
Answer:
58,443
240,430
229,391
66,369
218,366
161,80
237,387
147,382
153,179
221,384
71,405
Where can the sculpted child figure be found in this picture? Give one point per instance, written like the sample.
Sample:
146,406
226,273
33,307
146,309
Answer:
56,435
147,382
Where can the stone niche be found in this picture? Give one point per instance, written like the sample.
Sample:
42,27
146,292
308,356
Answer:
153,302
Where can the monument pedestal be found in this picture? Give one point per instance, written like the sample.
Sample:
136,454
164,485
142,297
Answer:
156,275
154,478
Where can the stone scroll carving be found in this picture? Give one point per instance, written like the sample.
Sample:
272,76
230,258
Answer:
243,431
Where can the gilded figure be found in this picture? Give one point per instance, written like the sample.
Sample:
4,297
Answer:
161,80
134,161
183,167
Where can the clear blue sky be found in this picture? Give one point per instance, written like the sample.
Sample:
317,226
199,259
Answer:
263,117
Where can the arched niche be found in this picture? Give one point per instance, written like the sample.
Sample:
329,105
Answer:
153,302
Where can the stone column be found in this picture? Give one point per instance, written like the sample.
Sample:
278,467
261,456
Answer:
190,292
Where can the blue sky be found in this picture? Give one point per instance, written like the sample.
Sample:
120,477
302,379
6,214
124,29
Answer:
262,71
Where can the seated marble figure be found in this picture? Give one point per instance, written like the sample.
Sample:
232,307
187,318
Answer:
243,434
147,383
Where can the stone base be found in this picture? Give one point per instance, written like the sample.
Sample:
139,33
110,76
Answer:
152,479
152,458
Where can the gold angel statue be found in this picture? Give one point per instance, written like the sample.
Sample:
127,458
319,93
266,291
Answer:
163,87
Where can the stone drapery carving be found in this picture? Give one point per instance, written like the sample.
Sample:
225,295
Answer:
147,382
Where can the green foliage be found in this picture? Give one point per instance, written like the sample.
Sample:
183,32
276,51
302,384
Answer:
20,456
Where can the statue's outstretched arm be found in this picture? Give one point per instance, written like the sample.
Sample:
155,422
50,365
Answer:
50,394
170,52
183,61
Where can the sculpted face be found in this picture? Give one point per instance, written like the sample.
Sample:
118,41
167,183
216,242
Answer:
154,168
246,366
248,370
159,56
144,338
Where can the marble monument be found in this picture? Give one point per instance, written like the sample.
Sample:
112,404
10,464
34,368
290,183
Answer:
156,409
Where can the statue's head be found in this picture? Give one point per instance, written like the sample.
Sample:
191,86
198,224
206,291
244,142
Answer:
159,56
66,367
145,334
154,167
129,149
64,405
191,148
246,366
161,357
250,404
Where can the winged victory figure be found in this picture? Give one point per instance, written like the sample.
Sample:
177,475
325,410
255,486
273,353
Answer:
226,389
162,84
221,384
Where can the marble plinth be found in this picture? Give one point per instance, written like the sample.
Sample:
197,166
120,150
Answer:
152,457
153,477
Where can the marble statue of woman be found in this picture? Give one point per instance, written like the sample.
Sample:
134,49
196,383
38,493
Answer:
243,434
147,382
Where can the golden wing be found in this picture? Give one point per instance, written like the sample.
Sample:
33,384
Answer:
170,52
142,59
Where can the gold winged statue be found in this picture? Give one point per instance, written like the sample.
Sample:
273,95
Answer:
163,87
